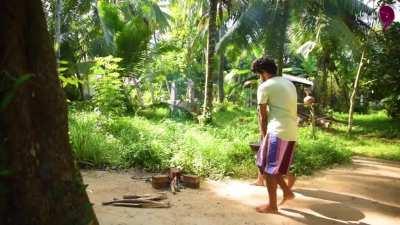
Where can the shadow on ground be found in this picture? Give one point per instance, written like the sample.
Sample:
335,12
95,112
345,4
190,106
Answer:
365,193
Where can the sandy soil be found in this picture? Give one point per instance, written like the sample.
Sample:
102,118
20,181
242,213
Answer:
364,193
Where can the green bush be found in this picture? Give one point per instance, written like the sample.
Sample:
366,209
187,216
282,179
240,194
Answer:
142,156
109,94
90,145
214,151
314,154
392,105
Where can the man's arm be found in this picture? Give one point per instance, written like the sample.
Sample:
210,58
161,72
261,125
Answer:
262,120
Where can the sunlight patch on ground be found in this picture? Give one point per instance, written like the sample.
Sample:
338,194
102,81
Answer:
240,191
244,192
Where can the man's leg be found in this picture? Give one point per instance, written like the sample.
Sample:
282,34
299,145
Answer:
260,179
291,180
287,192
272,207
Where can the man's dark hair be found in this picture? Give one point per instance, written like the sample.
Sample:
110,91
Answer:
264,64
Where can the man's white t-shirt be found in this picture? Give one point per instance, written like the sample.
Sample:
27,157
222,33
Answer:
281,97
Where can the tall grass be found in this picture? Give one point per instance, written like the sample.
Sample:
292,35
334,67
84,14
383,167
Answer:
374,135
220,149
373,125
92,146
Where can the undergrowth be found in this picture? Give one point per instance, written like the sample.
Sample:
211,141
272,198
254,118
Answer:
218,150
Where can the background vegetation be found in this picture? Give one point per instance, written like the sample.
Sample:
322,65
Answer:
156,142
138,77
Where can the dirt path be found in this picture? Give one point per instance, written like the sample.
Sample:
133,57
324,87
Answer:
365,193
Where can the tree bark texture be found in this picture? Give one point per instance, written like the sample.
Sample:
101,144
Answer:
39,181
211,41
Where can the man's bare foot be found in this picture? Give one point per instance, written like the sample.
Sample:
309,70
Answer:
258,183
287,197
266,209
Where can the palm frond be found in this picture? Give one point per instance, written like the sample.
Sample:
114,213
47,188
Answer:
161,18
248,27
346,7
132,41
110,22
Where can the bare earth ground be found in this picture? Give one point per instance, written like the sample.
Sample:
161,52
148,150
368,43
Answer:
364,193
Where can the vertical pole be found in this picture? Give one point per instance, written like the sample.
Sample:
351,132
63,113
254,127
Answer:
354,93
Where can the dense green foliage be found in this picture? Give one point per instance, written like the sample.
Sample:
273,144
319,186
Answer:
383,70
129,61
108,86
164,41
127,35
217,150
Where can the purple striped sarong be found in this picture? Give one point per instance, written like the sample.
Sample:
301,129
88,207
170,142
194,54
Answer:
275,155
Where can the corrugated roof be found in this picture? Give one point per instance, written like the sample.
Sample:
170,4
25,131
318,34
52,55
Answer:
300,80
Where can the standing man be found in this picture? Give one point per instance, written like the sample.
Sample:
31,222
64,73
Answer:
277,116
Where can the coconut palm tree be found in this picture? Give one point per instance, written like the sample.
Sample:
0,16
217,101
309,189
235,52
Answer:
279,23
320,25
264,21
211,41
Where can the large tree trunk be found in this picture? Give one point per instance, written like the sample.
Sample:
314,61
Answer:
354,93
211,41
39,181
